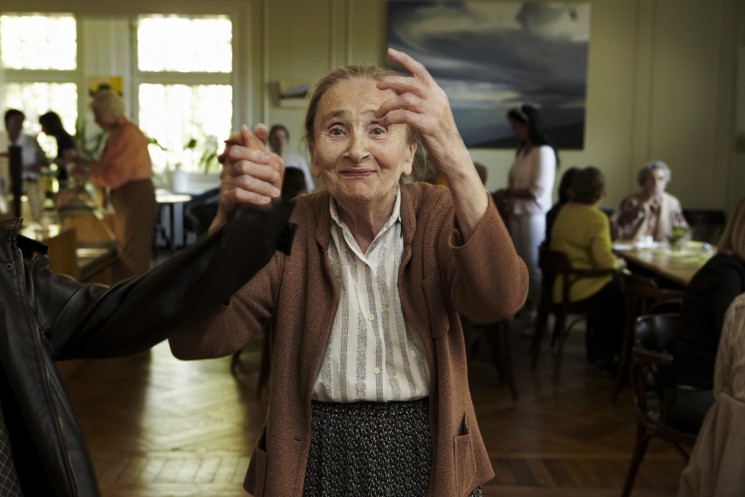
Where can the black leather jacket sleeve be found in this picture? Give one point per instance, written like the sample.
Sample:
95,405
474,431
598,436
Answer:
91,320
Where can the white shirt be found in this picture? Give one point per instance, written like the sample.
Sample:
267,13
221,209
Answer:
31,153
371,355
535,171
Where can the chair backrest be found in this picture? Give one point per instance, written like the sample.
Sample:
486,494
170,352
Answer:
652,354
552,264
706,224
643,296
656,333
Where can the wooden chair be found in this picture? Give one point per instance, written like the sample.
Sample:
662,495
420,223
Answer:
706,224
553,264
653,341
643,296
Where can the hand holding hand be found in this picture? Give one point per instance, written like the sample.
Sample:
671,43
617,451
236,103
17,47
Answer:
251,173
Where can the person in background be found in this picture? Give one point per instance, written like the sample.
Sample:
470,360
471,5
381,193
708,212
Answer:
708,295
651,212
67,149
32,155
528,195
47,317
369,369
564,196
582,232
125,169
279,142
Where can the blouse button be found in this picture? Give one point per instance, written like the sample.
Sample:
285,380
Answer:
371,317
376,370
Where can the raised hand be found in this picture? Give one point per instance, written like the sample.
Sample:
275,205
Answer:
251,173
421,104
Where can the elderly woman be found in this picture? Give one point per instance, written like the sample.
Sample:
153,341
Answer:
125,169
652,212
369,391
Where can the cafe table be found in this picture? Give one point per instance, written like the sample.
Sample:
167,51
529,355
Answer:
675,264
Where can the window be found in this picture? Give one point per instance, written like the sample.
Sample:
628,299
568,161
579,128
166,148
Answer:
39,58
184,88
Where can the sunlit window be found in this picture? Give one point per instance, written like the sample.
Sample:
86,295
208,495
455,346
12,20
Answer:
38,42
35,99
189,112
189,123
185,44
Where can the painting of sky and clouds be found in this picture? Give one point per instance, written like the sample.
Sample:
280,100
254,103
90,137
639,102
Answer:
489,57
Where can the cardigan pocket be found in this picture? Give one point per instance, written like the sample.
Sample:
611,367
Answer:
437,308
464,460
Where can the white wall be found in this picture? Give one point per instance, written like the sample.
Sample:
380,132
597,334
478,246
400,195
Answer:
662,79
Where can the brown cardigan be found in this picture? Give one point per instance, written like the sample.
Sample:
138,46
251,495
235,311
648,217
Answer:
439,277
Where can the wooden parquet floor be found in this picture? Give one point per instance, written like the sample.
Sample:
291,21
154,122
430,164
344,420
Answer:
160,427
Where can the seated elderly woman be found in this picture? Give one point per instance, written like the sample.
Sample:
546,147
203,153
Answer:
368,364
652,212
581,230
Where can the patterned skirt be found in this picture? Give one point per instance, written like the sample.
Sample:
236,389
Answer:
370,449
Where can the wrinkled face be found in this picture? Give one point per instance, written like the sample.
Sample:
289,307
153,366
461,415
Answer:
278,141
655,183
359,160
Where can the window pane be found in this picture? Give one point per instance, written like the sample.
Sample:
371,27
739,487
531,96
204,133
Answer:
38,42
185,45
176,114
34,99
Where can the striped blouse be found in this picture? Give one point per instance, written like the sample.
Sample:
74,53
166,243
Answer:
371,355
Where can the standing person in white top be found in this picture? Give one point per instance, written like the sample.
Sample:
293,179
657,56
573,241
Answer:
279,139
32,155
529,193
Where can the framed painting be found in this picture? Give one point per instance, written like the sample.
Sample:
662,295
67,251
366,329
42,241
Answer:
491,56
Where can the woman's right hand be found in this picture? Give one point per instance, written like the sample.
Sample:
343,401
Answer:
250,174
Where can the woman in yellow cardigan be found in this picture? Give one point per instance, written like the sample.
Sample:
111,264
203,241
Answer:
582,232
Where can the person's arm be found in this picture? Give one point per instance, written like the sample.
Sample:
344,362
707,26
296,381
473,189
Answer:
423,105
124,158
600,245
90,320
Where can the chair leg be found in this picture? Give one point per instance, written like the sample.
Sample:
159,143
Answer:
624,364
640,448
540,330
235,361
499,338
560,334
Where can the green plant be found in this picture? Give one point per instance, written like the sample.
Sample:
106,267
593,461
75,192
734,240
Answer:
89,147
208,157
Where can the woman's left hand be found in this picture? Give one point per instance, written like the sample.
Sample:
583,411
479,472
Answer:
423,105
